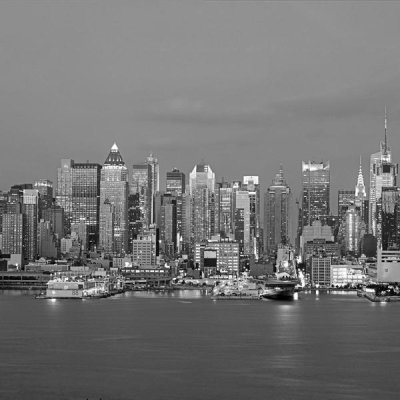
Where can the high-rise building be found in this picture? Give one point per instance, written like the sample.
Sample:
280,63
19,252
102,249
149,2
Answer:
389,218
224,213
316,188
13,231
140,185
176,185
30,205
114,192
276,214
86,200
175,182
154,183
251,184
167,223
64,191
202,191
45,189
242,221
47,241
55,215
352,221
360,197
383,173
346,198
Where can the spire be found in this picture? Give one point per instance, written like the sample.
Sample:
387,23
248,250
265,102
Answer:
114,147
386,147
360,187
114,157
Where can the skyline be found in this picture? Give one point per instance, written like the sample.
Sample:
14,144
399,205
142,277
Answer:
244,86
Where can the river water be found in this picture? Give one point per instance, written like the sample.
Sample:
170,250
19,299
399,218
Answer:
184,345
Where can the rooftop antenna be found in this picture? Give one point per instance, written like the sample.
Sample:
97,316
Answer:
385,132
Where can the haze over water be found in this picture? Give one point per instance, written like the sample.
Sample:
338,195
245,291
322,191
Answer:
186,346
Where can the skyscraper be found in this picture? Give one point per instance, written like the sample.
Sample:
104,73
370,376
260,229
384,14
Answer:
13,231
30,205
176,185
175,182
251,184
276,214
86,200
360,197
224,205
316,188
242,221
389,217
383,173
154,181
114,193
141,185
45,189
64,191
202,191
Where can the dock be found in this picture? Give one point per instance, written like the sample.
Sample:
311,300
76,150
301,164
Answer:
238,297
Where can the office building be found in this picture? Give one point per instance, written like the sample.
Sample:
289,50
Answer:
140,185
383,173
64,191
202,191
251,184
86,201
114,193
154,183
45,189
30,206
316,190
276,214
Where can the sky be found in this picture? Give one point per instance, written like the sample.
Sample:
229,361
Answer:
243,86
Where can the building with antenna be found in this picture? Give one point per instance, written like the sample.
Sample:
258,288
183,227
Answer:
113,203
383,173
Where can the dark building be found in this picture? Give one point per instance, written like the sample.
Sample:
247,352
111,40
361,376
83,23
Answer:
389,217
316,189
45,189
86,200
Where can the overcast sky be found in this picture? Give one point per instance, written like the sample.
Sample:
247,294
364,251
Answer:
243,86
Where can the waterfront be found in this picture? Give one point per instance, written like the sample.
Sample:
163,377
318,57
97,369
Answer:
183,345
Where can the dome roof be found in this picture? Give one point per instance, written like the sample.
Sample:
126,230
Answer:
114,157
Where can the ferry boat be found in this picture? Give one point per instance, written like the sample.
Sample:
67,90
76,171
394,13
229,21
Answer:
93,288
63,289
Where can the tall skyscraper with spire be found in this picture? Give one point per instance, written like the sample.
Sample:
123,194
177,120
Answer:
276,214
360,196
383,173
113,203
154,183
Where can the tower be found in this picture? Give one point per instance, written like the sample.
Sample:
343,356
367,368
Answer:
154,183
276,213
30,205
64,191
316,188
140,188
114,201
383,173
202,191
86,201
176,185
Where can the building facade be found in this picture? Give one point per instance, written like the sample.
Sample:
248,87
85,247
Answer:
276,214
114,192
